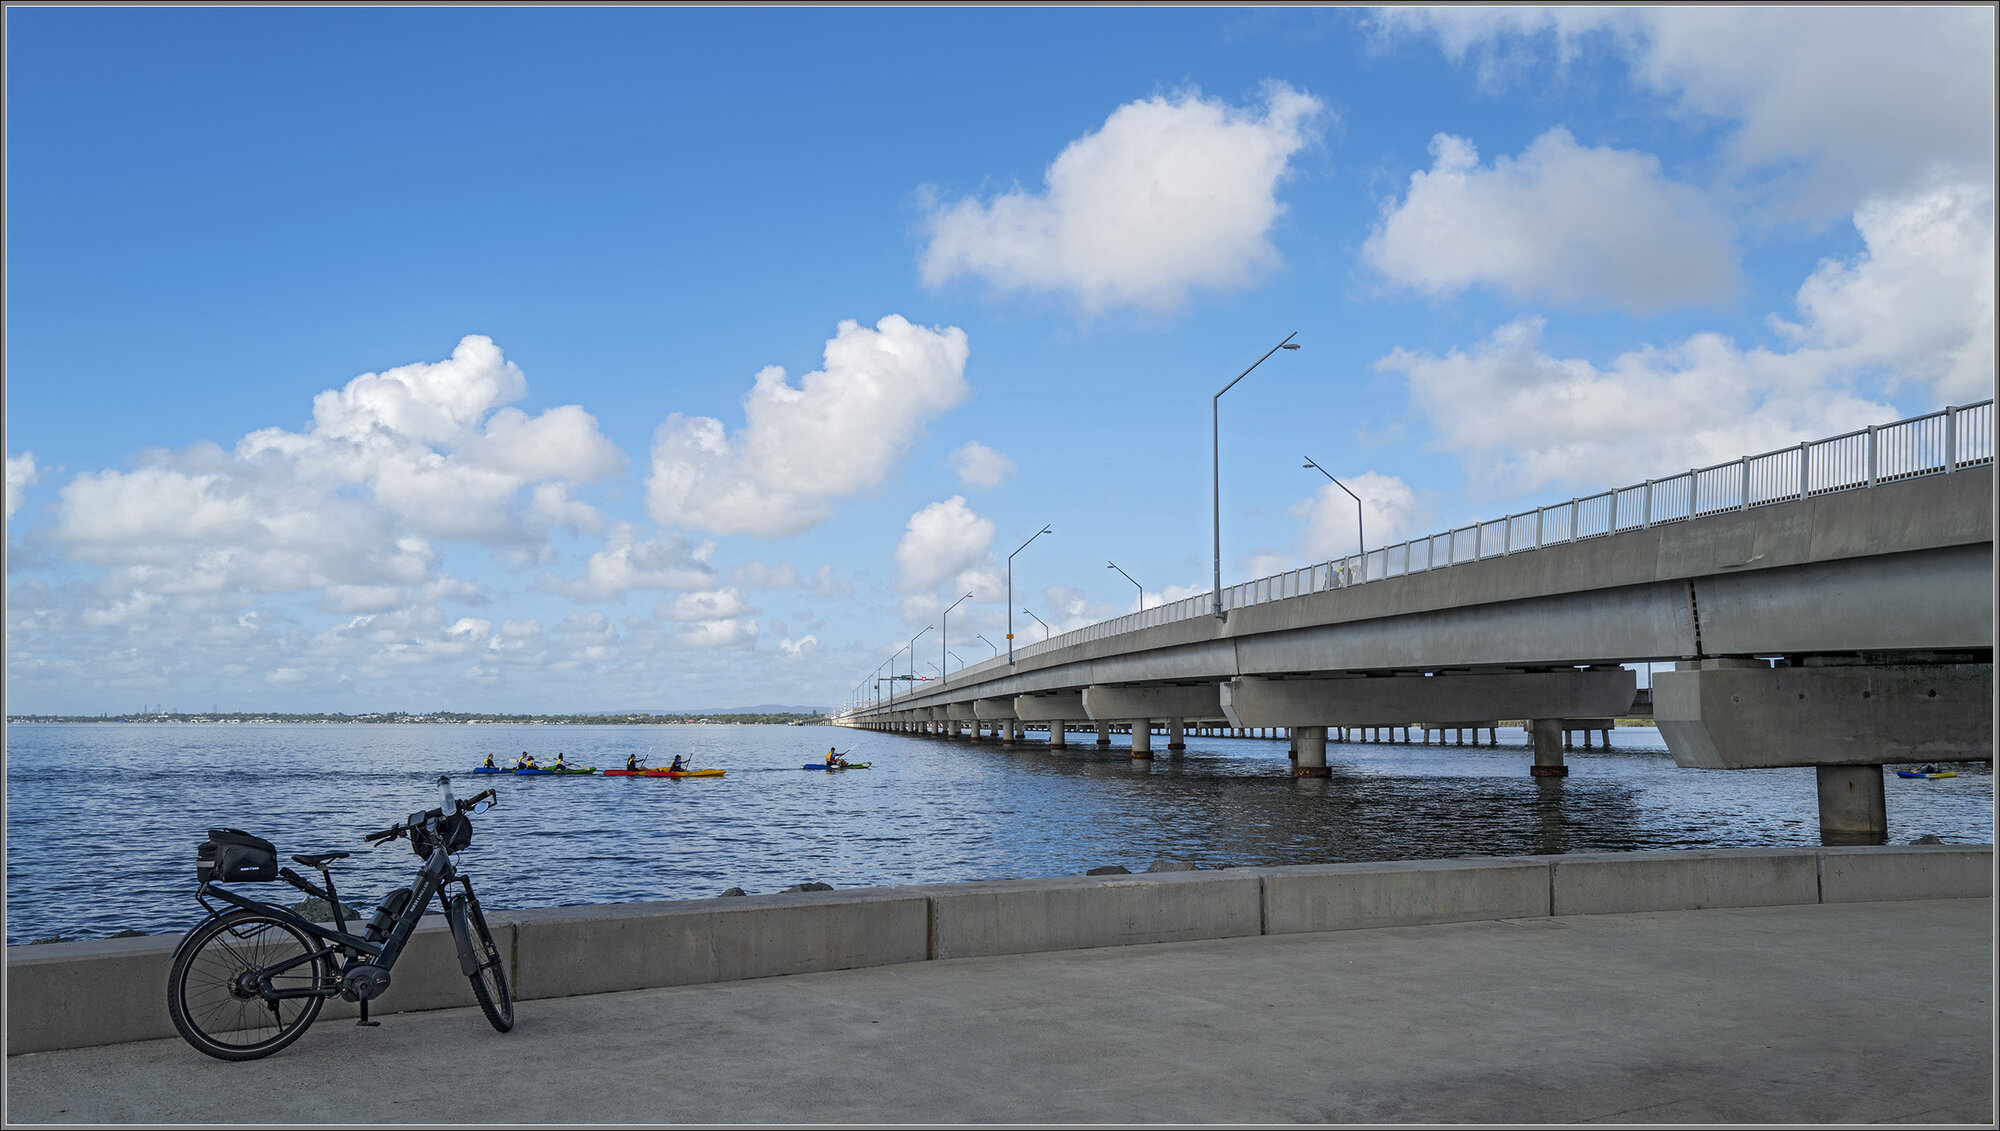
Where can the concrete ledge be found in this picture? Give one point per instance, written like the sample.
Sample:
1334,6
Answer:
107,991
1340,897
1923,871
565,951
72,995
1613,883
1075,912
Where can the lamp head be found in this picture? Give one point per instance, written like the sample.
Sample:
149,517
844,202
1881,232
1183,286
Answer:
1290,346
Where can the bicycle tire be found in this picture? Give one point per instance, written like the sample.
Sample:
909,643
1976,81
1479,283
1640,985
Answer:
489,981
206,995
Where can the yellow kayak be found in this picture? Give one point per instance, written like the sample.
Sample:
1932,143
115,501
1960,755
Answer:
683,773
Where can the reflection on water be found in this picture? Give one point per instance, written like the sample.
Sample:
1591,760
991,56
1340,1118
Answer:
102,820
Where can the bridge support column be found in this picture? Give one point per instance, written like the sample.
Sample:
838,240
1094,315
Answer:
1310,743
1852,809
1142,738
1176,734
1058,739
1104,734
1548,749
1009,729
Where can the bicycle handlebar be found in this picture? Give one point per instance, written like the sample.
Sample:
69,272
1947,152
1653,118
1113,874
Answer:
419,820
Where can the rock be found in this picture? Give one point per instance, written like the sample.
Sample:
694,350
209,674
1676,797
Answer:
1170,866
51,938
317,910
809,885
1927,838
734,892
128,933
1110,870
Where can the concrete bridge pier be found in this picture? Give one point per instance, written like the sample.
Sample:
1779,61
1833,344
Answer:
1852,808
1176,734
1309,746
1548,749
1142,738
1058,735
1104,734
1008,732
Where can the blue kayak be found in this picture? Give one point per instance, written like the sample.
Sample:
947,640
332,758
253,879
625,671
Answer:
491,770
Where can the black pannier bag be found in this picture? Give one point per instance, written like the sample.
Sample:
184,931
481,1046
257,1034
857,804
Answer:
234,855
457,832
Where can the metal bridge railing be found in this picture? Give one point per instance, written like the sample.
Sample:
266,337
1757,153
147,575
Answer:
1932,444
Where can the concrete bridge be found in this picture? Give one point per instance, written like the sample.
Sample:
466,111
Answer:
1825,605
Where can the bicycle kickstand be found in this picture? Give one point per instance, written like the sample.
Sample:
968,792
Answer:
364,1016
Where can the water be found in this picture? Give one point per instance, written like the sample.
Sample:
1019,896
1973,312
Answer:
102,820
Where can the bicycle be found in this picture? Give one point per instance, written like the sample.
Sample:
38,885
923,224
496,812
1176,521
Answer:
251,978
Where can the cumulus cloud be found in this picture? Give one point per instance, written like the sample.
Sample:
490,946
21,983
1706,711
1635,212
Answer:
1917,304
942,541
1170,194
1332,524
1590,226
1520,418
980,466
725,633
804,648
839,431
628,561
1830,105
716,604
20,475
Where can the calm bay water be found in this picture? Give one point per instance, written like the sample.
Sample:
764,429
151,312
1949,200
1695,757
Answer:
102,820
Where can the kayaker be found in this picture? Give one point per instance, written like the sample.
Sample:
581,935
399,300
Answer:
680,763
489,763
528,762
633,764
560,764
833,758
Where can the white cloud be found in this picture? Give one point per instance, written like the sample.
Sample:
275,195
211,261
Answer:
1831,105
980,466
1519,418
1917,304
804,648
20,475
716,604
1333,524
942,540
1172,193
1584,226
729,633
628,561
802,448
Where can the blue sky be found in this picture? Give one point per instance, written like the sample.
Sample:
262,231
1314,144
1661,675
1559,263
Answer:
366,359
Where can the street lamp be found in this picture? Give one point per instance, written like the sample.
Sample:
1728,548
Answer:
892,668
1128,577
1360,539
943,636
954,655
989,644
1215,437
1010,596
913,655
1045,624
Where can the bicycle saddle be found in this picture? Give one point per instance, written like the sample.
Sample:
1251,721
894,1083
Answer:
316,860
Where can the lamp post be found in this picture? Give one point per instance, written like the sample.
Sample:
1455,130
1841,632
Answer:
1215,438
944,633
1128,577
954,655
913,655
892,668
1010,596
989,644
1360,539
1040,621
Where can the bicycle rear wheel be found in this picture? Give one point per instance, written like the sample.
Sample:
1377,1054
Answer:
215,991
489,980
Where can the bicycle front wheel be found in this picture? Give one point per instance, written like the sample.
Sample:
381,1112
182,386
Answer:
218,990
489,979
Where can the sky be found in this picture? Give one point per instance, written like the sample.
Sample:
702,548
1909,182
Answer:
539,360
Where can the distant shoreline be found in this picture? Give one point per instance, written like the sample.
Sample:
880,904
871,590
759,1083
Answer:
251,718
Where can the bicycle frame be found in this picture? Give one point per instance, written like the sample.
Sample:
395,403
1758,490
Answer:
352,949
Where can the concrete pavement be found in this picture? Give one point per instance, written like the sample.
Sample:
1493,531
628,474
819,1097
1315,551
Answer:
1830,1013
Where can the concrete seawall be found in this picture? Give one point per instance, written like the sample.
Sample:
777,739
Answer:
73,995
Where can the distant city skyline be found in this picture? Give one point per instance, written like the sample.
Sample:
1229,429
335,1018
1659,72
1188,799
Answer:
541,360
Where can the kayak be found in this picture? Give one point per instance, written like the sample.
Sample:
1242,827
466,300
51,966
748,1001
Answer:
491,770
1922,774
683,773
849,766
624,773
557,773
